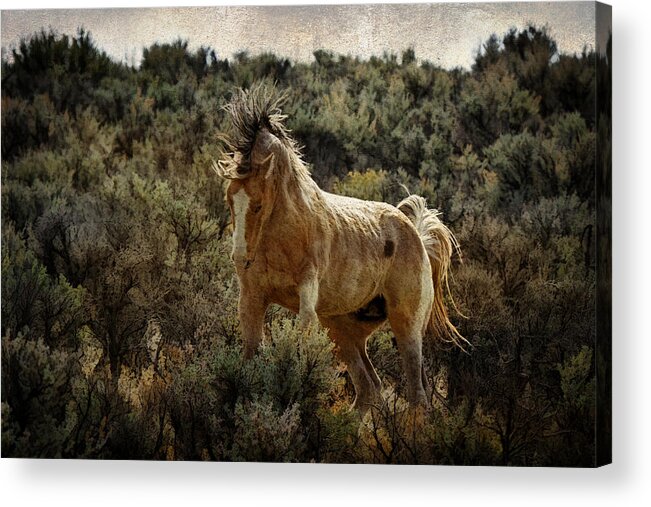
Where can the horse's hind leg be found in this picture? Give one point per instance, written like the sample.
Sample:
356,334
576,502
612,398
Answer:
409,340
409,296
350,335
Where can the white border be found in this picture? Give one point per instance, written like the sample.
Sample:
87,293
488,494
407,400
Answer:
100,483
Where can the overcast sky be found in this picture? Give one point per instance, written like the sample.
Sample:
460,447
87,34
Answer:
446,34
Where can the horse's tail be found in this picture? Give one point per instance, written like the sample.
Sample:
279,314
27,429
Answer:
439,244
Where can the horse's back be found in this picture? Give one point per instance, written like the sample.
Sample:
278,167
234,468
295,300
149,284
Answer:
364,218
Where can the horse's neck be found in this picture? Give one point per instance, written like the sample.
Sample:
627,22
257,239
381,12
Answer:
302,191
302,201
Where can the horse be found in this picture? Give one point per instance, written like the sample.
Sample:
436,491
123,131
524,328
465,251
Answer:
345,263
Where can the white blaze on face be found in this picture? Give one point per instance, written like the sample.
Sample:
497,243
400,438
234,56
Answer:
240,208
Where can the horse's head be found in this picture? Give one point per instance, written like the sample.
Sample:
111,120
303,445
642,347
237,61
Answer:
260,161
252,192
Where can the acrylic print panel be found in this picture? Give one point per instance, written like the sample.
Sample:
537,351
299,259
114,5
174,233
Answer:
341,234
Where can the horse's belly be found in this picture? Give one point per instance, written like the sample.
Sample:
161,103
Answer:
339,296
286,298
345,285
348,290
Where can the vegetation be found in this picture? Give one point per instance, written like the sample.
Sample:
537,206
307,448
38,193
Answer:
119,325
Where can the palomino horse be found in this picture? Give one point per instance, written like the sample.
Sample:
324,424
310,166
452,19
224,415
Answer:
347,263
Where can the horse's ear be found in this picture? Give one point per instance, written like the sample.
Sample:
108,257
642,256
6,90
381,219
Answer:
269,149
265,144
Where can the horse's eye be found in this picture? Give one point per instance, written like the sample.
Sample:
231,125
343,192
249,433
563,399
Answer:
256,209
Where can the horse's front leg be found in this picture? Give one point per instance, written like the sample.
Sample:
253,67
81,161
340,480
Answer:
252,308
308,293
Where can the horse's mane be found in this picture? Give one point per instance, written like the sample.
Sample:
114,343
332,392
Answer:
254,109
251,110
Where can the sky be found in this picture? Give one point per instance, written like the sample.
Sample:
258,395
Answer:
446,34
